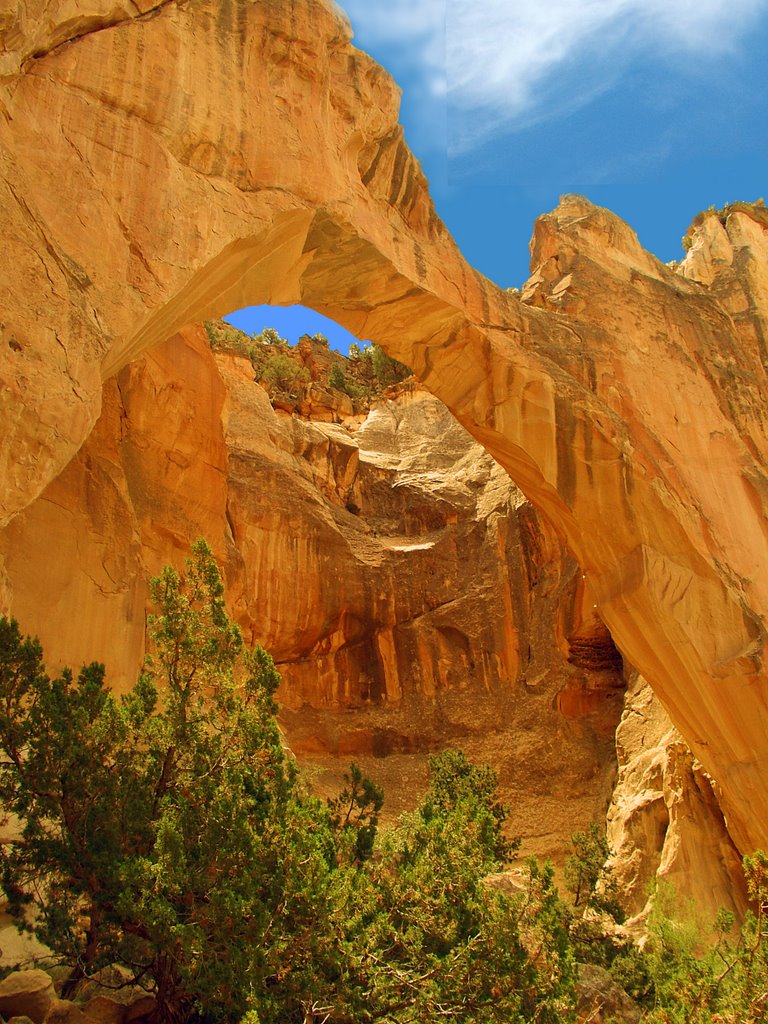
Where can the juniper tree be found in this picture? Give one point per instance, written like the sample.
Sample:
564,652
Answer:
163,830
166,831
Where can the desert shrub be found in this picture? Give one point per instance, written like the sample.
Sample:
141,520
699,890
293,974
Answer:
281,374
224,337
370,370
385,370
587,875
683,977
337,380
426,938
166,831
595,912
269,336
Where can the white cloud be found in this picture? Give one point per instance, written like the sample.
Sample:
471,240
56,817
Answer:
509,63
513,62
396,19
416,27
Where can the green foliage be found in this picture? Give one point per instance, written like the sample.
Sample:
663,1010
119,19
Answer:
282,374
355,812
337,379
427,938
226,338
456,785
370,370
165,831
162,830
689,980
679,976
589,880
341,382
595,912
756,877
384,369
269,336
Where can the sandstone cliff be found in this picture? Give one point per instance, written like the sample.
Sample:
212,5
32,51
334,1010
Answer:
665,824
411,596
625,397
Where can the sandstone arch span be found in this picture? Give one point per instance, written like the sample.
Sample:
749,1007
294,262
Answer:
167,160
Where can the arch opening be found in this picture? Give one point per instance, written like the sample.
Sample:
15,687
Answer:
348,540
292,323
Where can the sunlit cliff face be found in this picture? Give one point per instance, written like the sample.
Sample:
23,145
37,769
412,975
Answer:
625,397
411,597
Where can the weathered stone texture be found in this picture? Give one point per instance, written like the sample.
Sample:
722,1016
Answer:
410,595
161,167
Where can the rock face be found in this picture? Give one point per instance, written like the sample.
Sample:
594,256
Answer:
665,824
26,994
165,162
601,1001
410,595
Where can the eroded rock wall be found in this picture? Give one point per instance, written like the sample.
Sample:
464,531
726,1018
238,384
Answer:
410,595
665,824
178,160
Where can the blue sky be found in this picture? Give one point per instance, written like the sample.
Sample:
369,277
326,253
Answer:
653,108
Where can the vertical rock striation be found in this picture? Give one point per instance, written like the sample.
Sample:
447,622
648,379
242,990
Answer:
410,595
665,824
165,162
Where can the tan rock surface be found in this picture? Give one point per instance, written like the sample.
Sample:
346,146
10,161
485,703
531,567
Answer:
26,994
189,161
62,1011
410,595
664,823
16,948
600,1000
109,997
104,1010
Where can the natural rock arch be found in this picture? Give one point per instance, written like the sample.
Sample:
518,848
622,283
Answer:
201,156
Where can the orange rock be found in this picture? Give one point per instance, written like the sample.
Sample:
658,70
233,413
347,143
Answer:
411,597
600,1000
139,1008
625,398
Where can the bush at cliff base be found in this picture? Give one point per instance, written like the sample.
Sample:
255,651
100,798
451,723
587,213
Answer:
167,831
